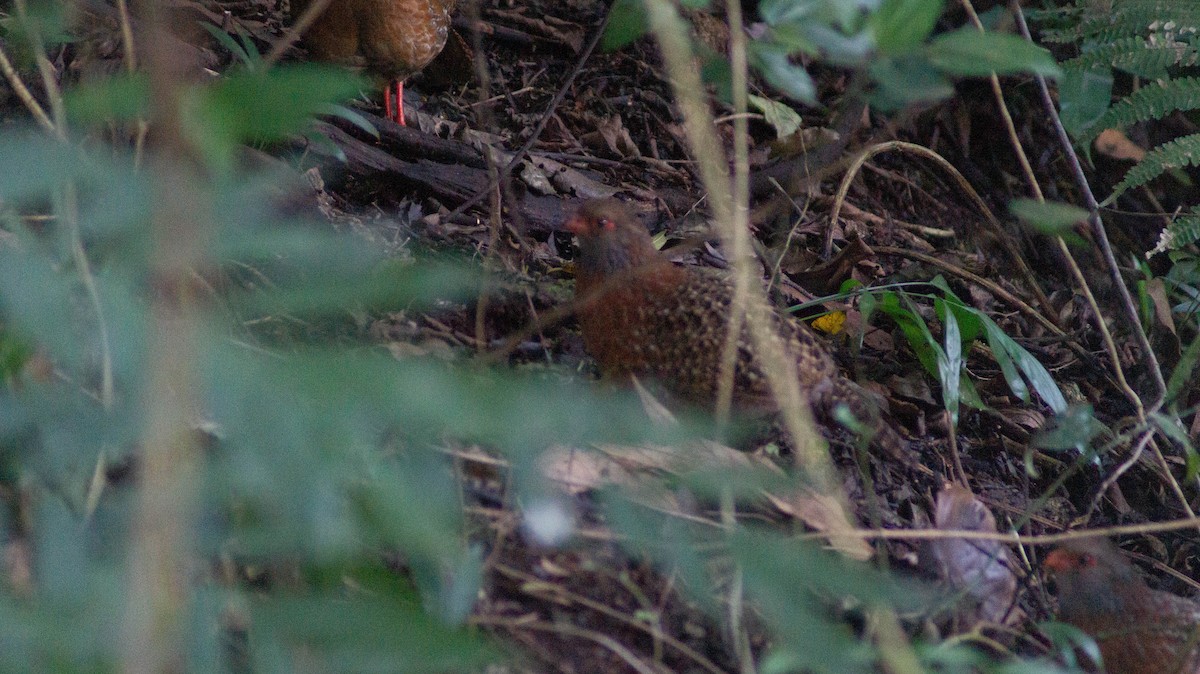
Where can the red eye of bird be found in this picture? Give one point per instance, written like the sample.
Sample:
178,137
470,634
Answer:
1087,560
607,224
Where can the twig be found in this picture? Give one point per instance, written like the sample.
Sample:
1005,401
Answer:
608,642
520,154
127,49
962,182
1013,538
67,205
1098,231
810,456
654,631
1100,236
988,284
153,630
24,95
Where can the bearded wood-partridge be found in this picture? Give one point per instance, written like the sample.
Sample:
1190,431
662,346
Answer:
389,38
643,316
1139,630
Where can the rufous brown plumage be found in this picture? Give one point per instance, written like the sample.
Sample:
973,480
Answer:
389,38
1139,630
643,316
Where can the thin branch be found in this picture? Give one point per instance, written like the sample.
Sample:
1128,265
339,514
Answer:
534,135
24,95
1098,231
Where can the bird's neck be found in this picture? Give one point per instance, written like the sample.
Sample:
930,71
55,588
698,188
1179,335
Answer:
619,253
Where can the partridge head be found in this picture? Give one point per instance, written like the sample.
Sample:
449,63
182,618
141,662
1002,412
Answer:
389,38
1139,630
643,316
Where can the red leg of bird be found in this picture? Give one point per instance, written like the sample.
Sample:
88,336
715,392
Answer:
400,102
395,114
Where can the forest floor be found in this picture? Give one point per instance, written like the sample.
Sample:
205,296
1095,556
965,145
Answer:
903,219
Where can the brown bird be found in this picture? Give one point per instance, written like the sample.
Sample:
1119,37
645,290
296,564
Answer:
1139,630
389,38
643,316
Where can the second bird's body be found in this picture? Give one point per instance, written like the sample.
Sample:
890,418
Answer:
390,38
1139,630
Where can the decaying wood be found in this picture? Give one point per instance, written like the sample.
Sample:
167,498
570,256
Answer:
452,171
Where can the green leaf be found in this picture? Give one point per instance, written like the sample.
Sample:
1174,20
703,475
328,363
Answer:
1010,356
900,26
916,333
1083,97
672,542
365,633
14,353
1039,378
848,16
1051,218
1072,430
1181,376
776,67
780,116
950,365
242,48
122,97
626,23
260,107
787,578
1066,638
969,52
56,164
904,80
791,38
969,321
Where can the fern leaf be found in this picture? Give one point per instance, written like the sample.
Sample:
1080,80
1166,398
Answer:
1183,230
1169,20
1059,25
1152,101
1171,155
1135,56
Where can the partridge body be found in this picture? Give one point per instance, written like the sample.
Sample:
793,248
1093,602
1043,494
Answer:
642,316
389,38
1139,630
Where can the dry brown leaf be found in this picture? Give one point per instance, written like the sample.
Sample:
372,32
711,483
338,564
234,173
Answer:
579,470
825,514
612,138
1113,143
980,570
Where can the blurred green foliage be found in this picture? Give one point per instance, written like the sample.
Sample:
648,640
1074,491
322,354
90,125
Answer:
323,458
891,42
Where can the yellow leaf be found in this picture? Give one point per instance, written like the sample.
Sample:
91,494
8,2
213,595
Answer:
831,323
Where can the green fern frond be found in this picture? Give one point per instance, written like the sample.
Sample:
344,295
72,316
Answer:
1153,101
1184,230
1175,154
1134,55
1134,17
1059,25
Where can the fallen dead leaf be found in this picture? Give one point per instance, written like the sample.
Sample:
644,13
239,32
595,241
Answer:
980,570
1113,143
